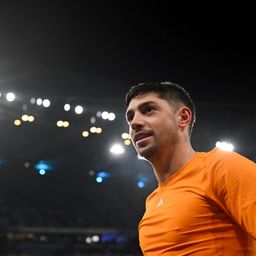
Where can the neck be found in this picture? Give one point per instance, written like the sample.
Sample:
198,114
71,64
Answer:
169,162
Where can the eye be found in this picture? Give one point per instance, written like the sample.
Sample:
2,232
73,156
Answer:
129,117
148,109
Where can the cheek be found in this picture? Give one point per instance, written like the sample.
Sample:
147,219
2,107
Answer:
167,130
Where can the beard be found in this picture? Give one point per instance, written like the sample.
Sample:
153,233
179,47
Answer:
146,151
156,149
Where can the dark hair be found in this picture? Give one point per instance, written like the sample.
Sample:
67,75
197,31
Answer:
169,91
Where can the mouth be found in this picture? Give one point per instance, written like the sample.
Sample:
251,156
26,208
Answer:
141,136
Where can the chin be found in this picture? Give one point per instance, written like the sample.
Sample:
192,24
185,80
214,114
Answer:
146,154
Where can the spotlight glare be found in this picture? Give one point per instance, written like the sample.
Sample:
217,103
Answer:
111,116
125,136
31,118
141,184
42,172
67,107
85,134
10,96
79,109
99,179
95,238
17,122
98,130
225,146
117,149
39,102
65,124
104,115
24,118
127,142
46,103
59,123
93,129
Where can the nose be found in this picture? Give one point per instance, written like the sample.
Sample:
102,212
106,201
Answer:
137,122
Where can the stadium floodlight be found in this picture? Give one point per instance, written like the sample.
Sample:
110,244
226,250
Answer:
225,146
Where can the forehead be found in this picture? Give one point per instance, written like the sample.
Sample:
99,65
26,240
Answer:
149,97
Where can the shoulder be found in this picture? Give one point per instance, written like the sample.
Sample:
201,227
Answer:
229,168
219,159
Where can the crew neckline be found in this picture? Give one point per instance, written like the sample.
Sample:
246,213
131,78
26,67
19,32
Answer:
179,172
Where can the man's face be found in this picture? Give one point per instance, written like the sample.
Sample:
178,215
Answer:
153,125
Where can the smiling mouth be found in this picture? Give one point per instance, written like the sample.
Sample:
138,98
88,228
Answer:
141,137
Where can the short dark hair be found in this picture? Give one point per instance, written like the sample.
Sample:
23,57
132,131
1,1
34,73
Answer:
169,91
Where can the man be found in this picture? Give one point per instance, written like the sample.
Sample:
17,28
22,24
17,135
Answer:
205,203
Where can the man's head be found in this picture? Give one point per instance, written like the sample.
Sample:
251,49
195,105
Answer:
173,93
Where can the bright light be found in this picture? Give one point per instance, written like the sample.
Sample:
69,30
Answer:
127,142
88,240
125,136
10,96
31,118
43,166
98,130
104,115
39,102
225,146
46,103
42,172
142,181
17,122
59,123
85,134
99,179
65,124
67,107
79,109
24,118
93,129
95,238
117,149
111,116
141,184
101,176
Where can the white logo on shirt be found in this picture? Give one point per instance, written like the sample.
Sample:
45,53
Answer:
160,202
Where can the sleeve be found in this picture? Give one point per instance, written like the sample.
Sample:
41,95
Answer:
234,185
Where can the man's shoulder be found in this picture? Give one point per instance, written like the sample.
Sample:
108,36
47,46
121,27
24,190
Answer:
227,161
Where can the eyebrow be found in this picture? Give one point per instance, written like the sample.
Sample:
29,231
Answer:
142,105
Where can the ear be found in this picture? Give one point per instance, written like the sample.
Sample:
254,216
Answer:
184,117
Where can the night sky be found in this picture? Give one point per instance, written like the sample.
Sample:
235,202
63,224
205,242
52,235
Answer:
98,49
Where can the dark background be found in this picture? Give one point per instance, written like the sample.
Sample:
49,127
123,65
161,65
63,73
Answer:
89,53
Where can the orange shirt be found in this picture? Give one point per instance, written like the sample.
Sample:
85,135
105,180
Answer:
207,208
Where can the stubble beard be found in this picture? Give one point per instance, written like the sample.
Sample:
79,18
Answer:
148,152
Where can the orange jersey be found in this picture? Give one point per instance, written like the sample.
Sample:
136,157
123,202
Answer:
207,208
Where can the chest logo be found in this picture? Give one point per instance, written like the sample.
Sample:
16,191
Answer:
160,202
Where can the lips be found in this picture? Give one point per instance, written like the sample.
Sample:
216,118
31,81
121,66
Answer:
140,136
